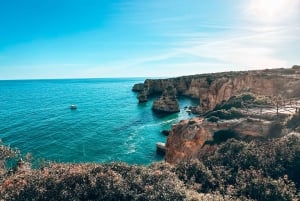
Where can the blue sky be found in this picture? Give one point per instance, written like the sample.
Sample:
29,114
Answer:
99,38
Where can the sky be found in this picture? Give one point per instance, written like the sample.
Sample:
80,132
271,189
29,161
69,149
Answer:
135,38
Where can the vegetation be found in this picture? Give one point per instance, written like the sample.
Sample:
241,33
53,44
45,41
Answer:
217,115
244,100
294,122
6,153
237,170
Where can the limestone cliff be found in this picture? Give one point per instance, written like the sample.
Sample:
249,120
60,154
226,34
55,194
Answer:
138,87
212,89
168,102
187,138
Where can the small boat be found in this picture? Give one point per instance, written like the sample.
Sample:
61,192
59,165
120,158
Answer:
161,148
73,107
188,111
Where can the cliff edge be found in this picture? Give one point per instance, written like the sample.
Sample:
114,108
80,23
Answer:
242,105
212,89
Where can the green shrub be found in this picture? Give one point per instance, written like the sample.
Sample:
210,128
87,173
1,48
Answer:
294,122
6,153
275,130
196,175
223,114
237,170
253,184
93,182
242,100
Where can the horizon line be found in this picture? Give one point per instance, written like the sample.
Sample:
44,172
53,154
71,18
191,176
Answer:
139,77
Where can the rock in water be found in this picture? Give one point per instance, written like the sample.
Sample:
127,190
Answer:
165,132
213,89
138,87
143,96
167,103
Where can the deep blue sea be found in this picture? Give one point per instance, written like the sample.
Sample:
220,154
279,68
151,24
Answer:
108,125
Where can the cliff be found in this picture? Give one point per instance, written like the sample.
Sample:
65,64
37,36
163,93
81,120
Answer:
190,138
212,89
167,103
241,105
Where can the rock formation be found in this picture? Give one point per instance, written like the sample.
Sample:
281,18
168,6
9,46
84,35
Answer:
143,96
223,97
168,102
212,89
187,138
165,132
138,87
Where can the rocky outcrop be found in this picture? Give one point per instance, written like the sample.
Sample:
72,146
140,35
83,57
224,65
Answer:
226,106
167,103
212,89
142,92
143,96
165,132
188,138
138,87
242,117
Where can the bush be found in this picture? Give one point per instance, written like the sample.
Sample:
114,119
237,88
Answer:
294,122
275,130
253,184
116,181
196,175
237,170
6,153
239,101
215,115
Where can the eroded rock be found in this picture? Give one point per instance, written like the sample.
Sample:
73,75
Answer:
143,96
138,87
212,89
167,103
187,138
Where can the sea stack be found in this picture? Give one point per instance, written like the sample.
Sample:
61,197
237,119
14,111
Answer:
168,102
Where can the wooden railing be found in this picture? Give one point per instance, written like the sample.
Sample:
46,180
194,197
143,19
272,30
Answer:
278,105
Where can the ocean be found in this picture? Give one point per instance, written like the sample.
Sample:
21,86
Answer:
108,124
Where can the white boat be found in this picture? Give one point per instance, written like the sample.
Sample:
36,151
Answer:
73,107
161,148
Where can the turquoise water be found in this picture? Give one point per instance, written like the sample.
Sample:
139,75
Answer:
108,125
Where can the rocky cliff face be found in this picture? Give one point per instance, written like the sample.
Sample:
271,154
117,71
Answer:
188,138
138,87
212,89
168,102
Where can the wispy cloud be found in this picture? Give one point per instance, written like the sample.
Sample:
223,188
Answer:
257,49
169,38
260,39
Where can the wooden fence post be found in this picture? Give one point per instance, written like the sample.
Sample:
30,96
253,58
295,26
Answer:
277,106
